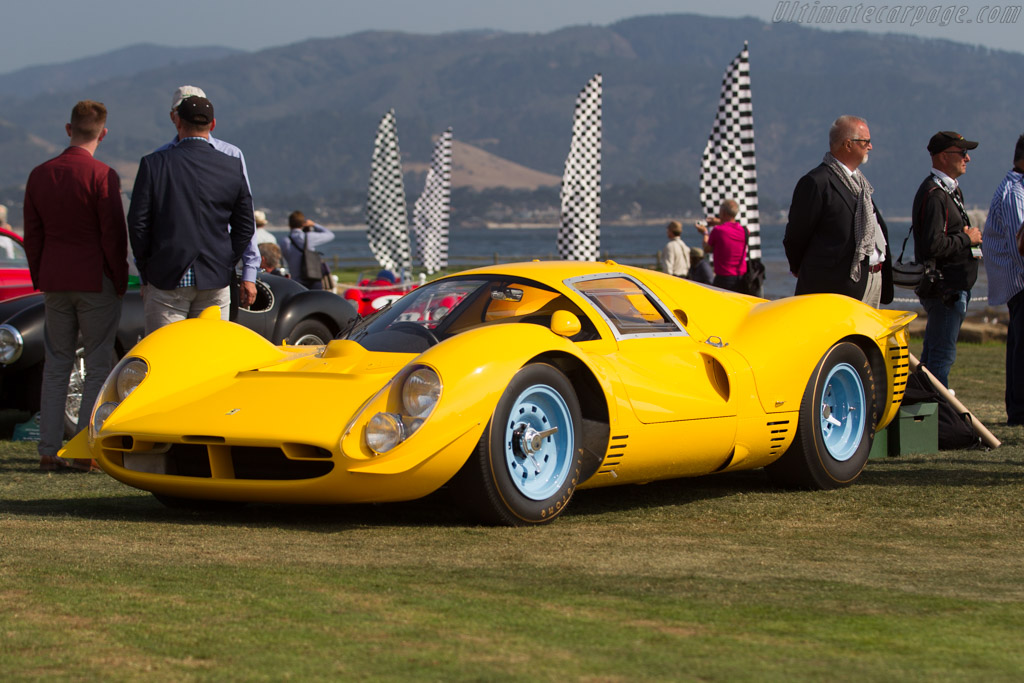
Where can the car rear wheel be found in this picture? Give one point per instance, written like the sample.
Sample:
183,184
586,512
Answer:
836,424
310,333
528,461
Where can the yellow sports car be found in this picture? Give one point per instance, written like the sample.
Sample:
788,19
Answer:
514,385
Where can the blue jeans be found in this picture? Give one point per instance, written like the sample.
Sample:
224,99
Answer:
941,332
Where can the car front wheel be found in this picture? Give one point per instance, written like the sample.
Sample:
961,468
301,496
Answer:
836,424
528,461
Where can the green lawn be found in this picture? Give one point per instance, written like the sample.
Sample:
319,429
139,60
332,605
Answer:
914,573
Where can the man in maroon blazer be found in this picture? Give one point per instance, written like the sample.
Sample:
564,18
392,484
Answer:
77,246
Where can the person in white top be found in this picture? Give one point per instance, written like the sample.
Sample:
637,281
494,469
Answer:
674,258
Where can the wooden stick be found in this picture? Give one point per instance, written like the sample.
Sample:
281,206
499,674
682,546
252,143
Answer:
983,433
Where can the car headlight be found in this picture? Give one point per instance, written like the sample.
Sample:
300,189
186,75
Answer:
125,378
408,400
420,392
129,376
100,415
11,344
384,431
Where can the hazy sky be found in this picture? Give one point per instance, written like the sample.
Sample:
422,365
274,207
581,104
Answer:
48,31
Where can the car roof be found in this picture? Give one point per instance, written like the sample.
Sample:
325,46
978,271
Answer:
550,272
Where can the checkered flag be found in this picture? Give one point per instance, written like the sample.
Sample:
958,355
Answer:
387,225
727,170
579,238
430,212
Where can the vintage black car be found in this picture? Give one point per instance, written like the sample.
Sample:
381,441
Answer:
283,309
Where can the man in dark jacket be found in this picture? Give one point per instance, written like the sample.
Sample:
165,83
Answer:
943,235
836,240
185,198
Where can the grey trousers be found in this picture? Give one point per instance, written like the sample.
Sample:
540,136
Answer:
95,315
166,306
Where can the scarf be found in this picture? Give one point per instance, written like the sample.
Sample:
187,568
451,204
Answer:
865,226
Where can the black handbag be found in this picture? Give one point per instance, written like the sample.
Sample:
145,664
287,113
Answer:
312,267
752,281
907,275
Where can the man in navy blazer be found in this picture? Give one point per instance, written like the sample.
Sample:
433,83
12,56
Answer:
827,252
184,200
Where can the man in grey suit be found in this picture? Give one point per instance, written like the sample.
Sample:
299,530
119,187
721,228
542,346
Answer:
836,240
184,199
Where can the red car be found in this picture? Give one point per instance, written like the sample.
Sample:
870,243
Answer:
15,279
374,292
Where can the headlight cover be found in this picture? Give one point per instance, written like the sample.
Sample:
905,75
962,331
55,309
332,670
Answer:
420,392
125,378
11,344
384,431
413,395
130,376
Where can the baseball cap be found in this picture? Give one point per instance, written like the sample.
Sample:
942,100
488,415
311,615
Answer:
945,139
183,92
197,110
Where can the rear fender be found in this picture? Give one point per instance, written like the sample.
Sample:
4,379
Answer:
784,340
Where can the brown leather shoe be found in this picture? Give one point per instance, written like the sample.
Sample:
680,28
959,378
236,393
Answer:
84,465
51,463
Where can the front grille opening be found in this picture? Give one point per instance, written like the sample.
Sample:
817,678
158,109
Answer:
252,462
248,462
188,460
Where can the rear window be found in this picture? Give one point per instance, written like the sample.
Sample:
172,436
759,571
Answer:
628,307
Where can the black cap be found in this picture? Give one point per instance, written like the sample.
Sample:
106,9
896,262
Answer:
197,110
945,139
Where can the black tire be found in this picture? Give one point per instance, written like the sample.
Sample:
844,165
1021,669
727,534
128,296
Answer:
310,333
836,424
517,476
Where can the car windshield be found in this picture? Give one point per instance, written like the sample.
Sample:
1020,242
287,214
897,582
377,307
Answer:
451,306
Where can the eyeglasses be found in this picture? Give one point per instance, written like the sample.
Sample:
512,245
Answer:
961,152
862,141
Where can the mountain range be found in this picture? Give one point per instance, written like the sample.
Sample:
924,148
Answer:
306,114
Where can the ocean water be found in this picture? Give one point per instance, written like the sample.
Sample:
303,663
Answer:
629,244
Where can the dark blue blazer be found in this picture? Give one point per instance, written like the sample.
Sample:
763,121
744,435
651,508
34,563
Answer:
184,200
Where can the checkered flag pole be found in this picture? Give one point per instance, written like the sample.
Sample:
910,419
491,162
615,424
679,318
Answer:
579,238
728,169
430,213
386,222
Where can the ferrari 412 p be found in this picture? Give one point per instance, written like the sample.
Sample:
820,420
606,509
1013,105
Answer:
513,386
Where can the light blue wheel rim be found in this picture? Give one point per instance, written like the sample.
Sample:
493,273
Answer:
843,412
539,475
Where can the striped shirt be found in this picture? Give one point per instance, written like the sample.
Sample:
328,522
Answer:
1003,263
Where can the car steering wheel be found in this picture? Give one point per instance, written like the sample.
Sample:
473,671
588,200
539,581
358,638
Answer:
417,330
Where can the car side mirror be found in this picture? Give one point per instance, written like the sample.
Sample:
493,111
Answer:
565,324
